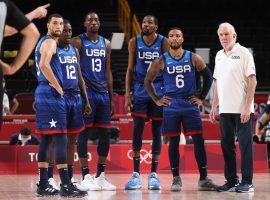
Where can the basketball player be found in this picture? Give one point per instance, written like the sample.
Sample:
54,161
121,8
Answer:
73,85
143,49
95,59
178,66
51,110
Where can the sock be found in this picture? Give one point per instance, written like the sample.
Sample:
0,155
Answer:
70,171
63,173
175,171
50,170
154,165
85,170
136,163
43,176
100,169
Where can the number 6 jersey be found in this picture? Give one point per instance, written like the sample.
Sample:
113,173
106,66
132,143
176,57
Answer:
179,75
93,63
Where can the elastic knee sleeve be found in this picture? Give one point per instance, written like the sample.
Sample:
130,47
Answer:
174,154
82,143
44,148
103,142
60,148
138,127
156,135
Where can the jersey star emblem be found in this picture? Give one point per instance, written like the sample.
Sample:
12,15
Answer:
53,123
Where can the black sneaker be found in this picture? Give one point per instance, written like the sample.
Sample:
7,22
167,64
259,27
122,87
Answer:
46,190
71,190
244,187
227,187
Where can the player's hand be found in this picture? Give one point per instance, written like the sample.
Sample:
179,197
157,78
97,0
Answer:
58,89
112,107
212,115
164,101
128,104
87,109
245,114
40,12
195,100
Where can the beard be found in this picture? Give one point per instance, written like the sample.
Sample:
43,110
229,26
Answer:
146,32
178,46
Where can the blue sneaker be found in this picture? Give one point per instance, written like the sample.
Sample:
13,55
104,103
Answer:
244,187
135,182
153,182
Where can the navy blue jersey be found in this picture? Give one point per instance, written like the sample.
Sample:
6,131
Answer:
145,55
69,65
93,63
179,75
55,64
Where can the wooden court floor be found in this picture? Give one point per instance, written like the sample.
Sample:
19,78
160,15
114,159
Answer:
22,187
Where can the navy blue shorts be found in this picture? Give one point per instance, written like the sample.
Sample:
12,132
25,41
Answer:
75,121
51,115
181,112
101,110
143,105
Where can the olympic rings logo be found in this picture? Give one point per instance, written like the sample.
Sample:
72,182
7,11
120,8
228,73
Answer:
145,156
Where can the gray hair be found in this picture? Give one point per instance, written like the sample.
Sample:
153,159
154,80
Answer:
228,25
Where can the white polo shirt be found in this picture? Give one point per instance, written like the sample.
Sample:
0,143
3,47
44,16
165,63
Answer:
231,72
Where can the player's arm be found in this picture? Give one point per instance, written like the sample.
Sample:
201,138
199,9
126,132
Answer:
38,13
16,19
109,74
30,36
200,65
76,42
47,50
87,108
165,45
130,73
156,66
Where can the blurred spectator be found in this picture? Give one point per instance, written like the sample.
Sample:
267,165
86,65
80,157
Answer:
262,123
25,137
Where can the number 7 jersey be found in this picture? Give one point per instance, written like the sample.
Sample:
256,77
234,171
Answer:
145,54
93,58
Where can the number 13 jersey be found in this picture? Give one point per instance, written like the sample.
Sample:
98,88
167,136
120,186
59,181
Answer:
93,63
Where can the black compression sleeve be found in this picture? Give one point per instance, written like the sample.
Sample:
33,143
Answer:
207,82
15,17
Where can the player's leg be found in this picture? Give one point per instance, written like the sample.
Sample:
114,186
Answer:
102,123
43,187
66,188
171,128
155,113
51,180
192,125
139,117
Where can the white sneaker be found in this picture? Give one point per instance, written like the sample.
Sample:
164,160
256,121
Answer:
104,183
88,183
52,182
75,182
